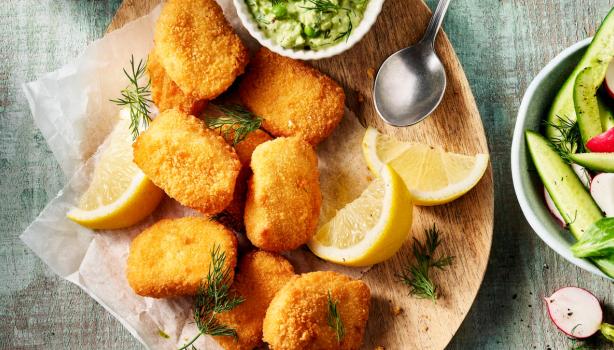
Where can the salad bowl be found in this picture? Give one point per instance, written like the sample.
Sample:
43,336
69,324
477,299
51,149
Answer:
535,105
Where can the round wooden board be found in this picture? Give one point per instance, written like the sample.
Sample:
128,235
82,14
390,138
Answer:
466,224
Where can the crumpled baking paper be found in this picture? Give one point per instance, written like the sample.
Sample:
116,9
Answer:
71,108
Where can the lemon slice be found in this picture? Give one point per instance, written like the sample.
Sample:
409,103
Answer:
119,194
432,175
370,229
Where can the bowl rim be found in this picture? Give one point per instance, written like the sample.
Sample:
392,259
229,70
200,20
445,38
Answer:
540,229
372,11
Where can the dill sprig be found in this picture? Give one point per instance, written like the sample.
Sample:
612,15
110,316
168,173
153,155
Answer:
236,121
136,97
324,6
569,139
348,31
214,296
334,319
416,275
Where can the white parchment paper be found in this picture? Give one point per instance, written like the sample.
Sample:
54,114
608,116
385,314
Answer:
71,108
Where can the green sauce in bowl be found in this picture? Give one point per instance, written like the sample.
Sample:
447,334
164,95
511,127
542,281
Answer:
307,24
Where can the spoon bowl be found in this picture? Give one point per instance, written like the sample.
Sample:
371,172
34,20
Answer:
411,83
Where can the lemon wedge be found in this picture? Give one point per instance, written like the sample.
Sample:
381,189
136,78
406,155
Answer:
431,175
370,229
119,194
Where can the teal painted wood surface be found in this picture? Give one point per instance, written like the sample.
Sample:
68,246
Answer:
501,44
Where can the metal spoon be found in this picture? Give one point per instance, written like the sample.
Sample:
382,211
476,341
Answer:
411,82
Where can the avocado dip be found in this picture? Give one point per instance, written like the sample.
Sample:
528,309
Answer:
307,24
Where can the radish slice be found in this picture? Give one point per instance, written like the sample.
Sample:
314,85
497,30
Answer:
553,209
582,174
602,190
602,143
575,311
609,79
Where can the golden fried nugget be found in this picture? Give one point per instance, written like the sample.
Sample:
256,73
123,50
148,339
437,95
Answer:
259,277
172,257
236,208
190,162
292,97
297,316
166,94
198,48
283,197
244,151
246,147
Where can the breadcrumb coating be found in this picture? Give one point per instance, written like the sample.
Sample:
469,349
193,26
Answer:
166,94
190,162
293,98
259,277
244,151
297,316
198,47
283,197
246,147
172,257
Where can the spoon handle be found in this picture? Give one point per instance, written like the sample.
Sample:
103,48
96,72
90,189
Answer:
435,23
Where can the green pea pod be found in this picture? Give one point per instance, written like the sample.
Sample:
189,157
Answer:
597,241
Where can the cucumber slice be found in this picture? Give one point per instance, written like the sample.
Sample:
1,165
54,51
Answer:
563,106
573,201
575,204
602,162
606,115
585,101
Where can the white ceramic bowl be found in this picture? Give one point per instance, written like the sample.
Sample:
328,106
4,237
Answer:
373,9
527,185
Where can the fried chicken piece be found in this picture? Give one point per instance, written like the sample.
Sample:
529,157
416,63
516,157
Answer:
259,277
172,257
244,151
246,148
236,208
297,317
166,94
198,48
283,197
190,162
293,98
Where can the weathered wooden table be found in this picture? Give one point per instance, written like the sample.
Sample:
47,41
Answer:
501,44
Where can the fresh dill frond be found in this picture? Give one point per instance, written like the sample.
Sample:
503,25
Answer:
416,275
569,139
214,297
334,319
324,6
348,30
234,123
136,97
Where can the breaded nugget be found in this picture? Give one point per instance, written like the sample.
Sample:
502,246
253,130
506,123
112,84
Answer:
236,208
292,97
166,94
244,151
198,48
246,147
259,277
297,316
172,257
283,197
190,162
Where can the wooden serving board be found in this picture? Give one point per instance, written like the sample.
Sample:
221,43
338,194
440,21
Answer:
466,224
